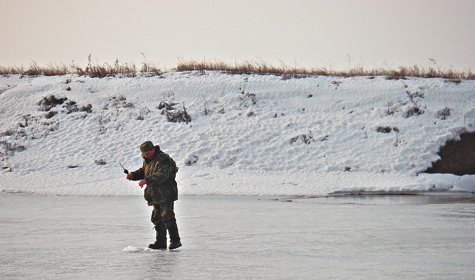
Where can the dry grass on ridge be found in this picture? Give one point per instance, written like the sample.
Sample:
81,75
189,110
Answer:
262,68
248,67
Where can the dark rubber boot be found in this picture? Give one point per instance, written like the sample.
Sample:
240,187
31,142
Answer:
174,236
161,237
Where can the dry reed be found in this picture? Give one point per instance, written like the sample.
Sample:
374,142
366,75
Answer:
247,67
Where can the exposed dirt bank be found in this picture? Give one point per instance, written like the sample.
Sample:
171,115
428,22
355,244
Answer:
457,157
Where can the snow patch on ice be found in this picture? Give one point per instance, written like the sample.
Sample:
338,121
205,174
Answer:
446,182
466,183
132,249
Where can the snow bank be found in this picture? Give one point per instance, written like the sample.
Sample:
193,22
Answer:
249,134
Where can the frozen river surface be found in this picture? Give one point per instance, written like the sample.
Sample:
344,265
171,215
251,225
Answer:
226,237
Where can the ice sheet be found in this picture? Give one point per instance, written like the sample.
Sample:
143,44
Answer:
234,237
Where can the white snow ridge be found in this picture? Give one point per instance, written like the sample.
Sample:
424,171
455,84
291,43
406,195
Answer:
238,135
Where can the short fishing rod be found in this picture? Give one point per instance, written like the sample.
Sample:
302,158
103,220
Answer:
125,170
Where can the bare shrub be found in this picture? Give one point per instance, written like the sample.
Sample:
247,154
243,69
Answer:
49,102
248,100
149,69
50,114
444,113
87,108
26,118
118,102
177,115
191,160
143,113
307,139
383,129
206,111
391,109
166,105
94,70
8,132
388,129
397,136
129,105
72,107
11,148
413,95
455,81
100,162
414,111
102,122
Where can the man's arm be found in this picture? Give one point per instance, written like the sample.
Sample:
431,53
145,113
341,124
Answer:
136,175
163,170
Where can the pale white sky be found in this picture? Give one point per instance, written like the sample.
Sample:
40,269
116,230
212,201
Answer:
309,33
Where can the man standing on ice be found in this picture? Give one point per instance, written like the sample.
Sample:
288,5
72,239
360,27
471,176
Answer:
158,173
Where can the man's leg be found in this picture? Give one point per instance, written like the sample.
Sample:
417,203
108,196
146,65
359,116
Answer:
160,229
168,217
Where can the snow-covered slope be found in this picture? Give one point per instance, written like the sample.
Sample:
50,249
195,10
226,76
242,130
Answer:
249,134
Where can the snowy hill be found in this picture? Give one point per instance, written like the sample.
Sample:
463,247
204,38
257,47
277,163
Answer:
248,134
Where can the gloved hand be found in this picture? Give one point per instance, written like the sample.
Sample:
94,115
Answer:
130,176
141,183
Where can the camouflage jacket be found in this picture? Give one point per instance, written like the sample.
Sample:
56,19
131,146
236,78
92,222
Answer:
159,173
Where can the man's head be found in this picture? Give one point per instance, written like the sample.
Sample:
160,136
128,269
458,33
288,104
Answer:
147,149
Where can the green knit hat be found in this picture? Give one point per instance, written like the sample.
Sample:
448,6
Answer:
146,147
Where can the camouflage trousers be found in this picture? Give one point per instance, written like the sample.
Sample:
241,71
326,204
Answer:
163,213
